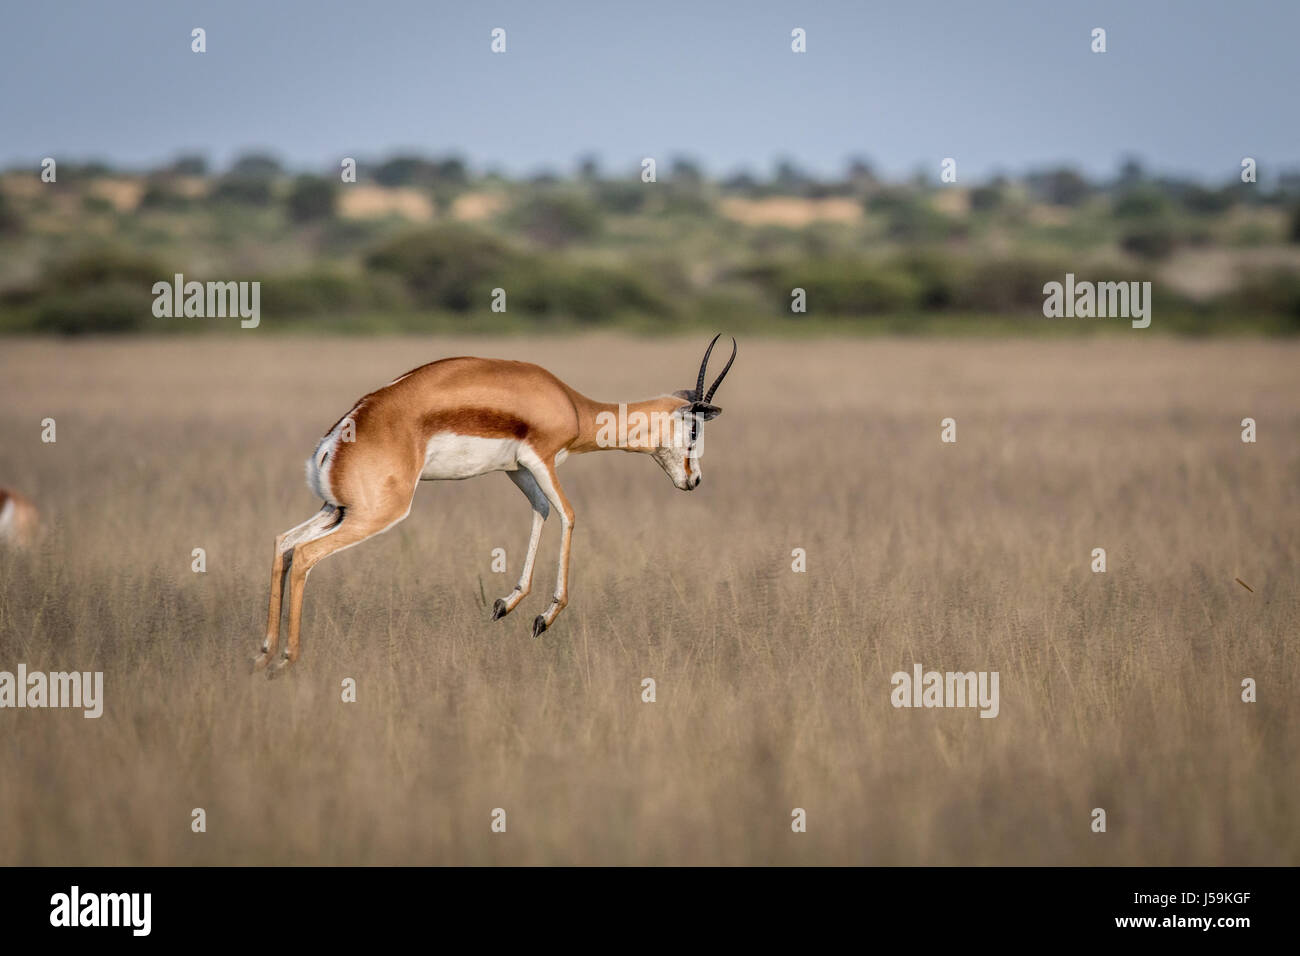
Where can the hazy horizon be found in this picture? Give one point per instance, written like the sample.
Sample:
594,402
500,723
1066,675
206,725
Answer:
1003,87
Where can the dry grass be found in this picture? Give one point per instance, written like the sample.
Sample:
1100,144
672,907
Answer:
376,202
1118,690
478,206
790,212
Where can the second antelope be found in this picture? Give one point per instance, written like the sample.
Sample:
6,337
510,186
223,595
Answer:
460,418
19,519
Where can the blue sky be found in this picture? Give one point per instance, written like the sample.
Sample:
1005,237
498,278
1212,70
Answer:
1190,87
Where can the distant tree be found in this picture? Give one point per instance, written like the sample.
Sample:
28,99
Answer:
1295,224
685,170
558,218
450,171
98,290
1141,203
160,193
986,198
189,165
256,166
312,198
449,267
11,224
91,169
1204,201
741,182
249,190
410,170
1131,172
589,169
1151,240
789,178
404,171
1060,187
99,267
860,173
620,196
892,200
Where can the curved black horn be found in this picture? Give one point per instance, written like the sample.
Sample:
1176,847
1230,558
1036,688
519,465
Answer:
699,384
708,396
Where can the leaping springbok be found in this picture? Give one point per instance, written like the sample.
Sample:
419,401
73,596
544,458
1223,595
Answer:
460,418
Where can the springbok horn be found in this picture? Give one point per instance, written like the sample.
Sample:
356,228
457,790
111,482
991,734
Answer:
718,381
699,385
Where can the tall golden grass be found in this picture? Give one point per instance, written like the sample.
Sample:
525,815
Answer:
1118,690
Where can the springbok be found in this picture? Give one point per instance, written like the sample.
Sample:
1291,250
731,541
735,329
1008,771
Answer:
19,519
463,417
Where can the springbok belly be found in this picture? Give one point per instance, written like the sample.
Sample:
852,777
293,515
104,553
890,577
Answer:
451,456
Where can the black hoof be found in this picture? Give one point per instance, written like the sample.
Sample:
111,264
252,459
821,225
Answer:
499,609
539,625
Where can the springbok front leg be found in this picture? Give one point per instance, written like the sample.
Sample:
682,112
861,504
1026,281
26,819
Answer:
541,508
551,486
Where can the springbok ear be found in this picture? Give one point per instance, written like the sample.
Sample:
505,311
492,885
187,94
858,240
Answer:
685,393
709,412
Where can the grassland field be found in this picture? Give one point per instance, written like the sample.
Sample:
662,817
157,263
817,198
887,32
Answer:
1119,690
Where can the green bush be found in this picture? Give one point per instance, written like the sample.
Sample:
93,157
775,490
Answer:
939,278
1144,203
11,223
452,267
1060,187
909,217
419,171
247,190
316,293
849,287
623,198
557,218
102,267
1270,292
159,193
586,293
986,198
1007,285
311,198
1208,202
103,291
1152,240
112,308
256,166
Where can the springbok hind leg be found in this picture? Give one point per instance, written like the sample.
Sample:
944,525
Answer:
313,527
355,527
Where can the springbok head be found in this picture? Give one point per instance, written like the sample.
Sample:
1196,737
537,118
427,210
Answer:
680,458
